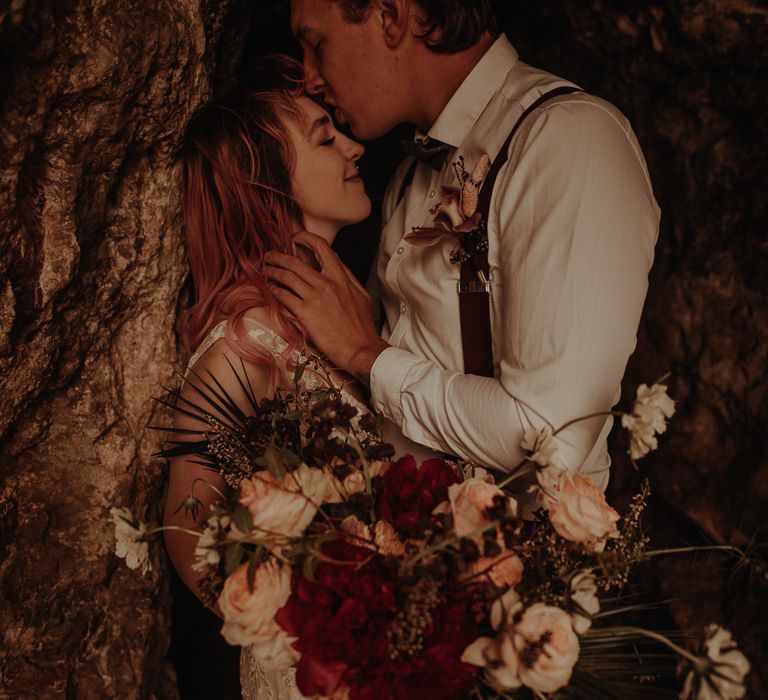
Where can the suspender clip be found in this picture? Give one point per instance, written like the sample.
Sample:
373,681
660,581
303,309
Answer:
473,287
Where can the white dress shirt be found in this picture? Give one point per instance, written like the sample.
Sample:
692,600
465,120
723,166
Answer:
572,228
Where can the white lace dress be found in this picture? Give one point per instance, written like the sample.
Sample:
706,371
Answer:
257,682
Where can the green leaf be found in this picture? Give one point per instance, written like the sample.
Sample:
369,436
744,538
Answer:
291,459
233,555
253,563
273,460
299,373
241,516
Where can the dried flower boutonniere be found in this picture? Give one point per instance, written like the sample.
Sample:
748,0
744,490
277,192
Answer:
456,214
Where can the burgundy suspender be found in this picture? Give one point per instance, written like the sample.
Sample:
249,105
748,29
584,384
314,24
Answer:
474,285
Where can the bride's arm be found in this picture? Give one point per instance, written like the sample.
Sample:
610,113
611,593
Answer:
189,478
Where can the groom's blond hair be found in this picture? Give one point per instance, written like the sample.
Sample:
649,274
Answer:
449,26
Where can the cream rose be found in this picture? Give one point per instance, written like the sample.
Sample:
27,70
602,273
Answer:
579,512
469,501
285,507
249,616
547,647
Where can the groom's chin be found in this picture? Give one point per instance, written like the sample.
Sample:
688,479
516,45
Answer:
365,132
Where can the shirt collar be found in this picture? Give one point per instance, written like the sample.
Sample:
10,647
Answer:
467,103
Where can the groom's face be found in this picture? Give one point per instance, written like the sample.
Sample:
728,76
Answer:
349,64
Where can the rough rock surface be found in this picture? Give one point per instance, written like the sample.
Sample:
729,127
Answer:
93,102
690,75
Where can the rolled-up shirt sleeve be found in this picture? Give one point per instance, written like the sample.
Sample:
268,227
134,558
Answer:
577,225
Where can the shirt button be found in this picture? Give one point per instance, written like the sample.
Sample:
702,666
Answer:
432,193
403,308
401,250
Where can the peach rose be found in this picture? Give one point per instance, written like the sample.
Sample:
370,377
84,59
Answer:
249,616
469,501
283,507
579,512
505,569
547,647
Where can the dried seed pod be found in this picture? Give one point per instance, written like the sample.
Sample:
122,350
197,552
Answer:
471,186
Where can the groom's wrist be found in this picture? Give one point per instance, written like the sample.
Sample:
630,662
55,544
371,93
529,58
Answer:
361,362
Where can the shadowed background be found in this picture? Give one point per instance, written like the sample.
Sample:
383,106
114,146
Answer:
94,101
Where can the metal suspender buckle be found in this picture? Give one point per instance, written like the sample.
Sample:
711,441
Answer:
473,287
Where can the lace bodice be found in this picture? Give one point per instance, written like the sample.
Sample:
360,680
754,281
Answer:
258,683
269,339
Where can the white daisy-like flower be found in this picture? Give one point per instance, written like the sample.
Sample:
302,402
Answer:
650,412
206,552
583,600
721,673
129,544
543,450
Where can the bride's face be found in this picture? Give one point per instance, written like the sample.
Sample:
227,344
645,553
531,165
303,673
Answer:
326,183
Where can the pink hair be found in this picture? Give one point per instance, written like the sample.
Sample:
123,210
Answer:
238,205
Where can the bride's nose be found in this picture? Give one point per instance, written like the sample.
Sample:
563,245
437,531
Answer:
352,149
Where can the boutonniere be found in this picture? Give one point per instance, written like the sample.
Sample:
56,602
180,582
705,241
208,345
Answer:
456,214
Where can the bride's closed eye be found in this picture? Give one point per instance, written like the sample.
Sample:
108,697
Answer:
328,142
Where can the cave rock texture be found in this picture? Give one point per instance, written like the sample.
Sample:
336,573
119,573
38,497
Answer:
94,99
690,75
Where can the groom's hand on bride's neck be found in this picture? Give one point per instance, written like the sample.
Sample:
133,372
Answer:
329,302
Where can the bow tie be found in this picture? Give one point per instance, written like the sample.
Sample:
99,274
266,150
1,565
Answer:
433,152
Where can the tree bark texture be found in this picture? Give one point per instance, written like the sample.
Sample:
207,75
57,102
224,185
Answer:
94,101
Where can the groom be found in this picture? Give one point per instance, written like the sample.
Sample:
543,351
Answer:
536,325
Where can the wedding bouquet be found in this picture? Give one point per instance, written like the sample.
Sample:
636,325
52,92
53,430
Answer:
379,578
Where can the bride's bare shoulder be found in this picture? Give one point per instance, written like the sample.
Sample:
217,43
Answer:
260,314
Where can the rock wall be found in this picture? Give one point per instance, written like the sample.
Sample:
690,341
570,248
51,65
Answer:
690,75
94,99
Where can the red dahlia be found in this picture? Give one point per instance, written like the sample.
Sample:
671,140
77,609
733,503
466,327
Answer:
410,493
343,621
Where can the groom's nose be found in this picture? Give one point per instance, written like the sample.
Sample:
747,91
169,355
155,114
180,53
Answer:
314,80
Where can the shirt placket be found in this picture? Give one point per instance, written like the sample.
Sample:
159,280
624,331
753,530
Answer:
400,259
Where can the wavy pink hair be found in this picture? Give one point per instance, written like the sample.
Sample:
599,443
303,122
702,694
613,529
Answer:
238,204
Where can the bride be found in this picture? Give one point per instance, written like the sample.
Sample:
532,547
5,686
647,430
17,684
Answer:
258,168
